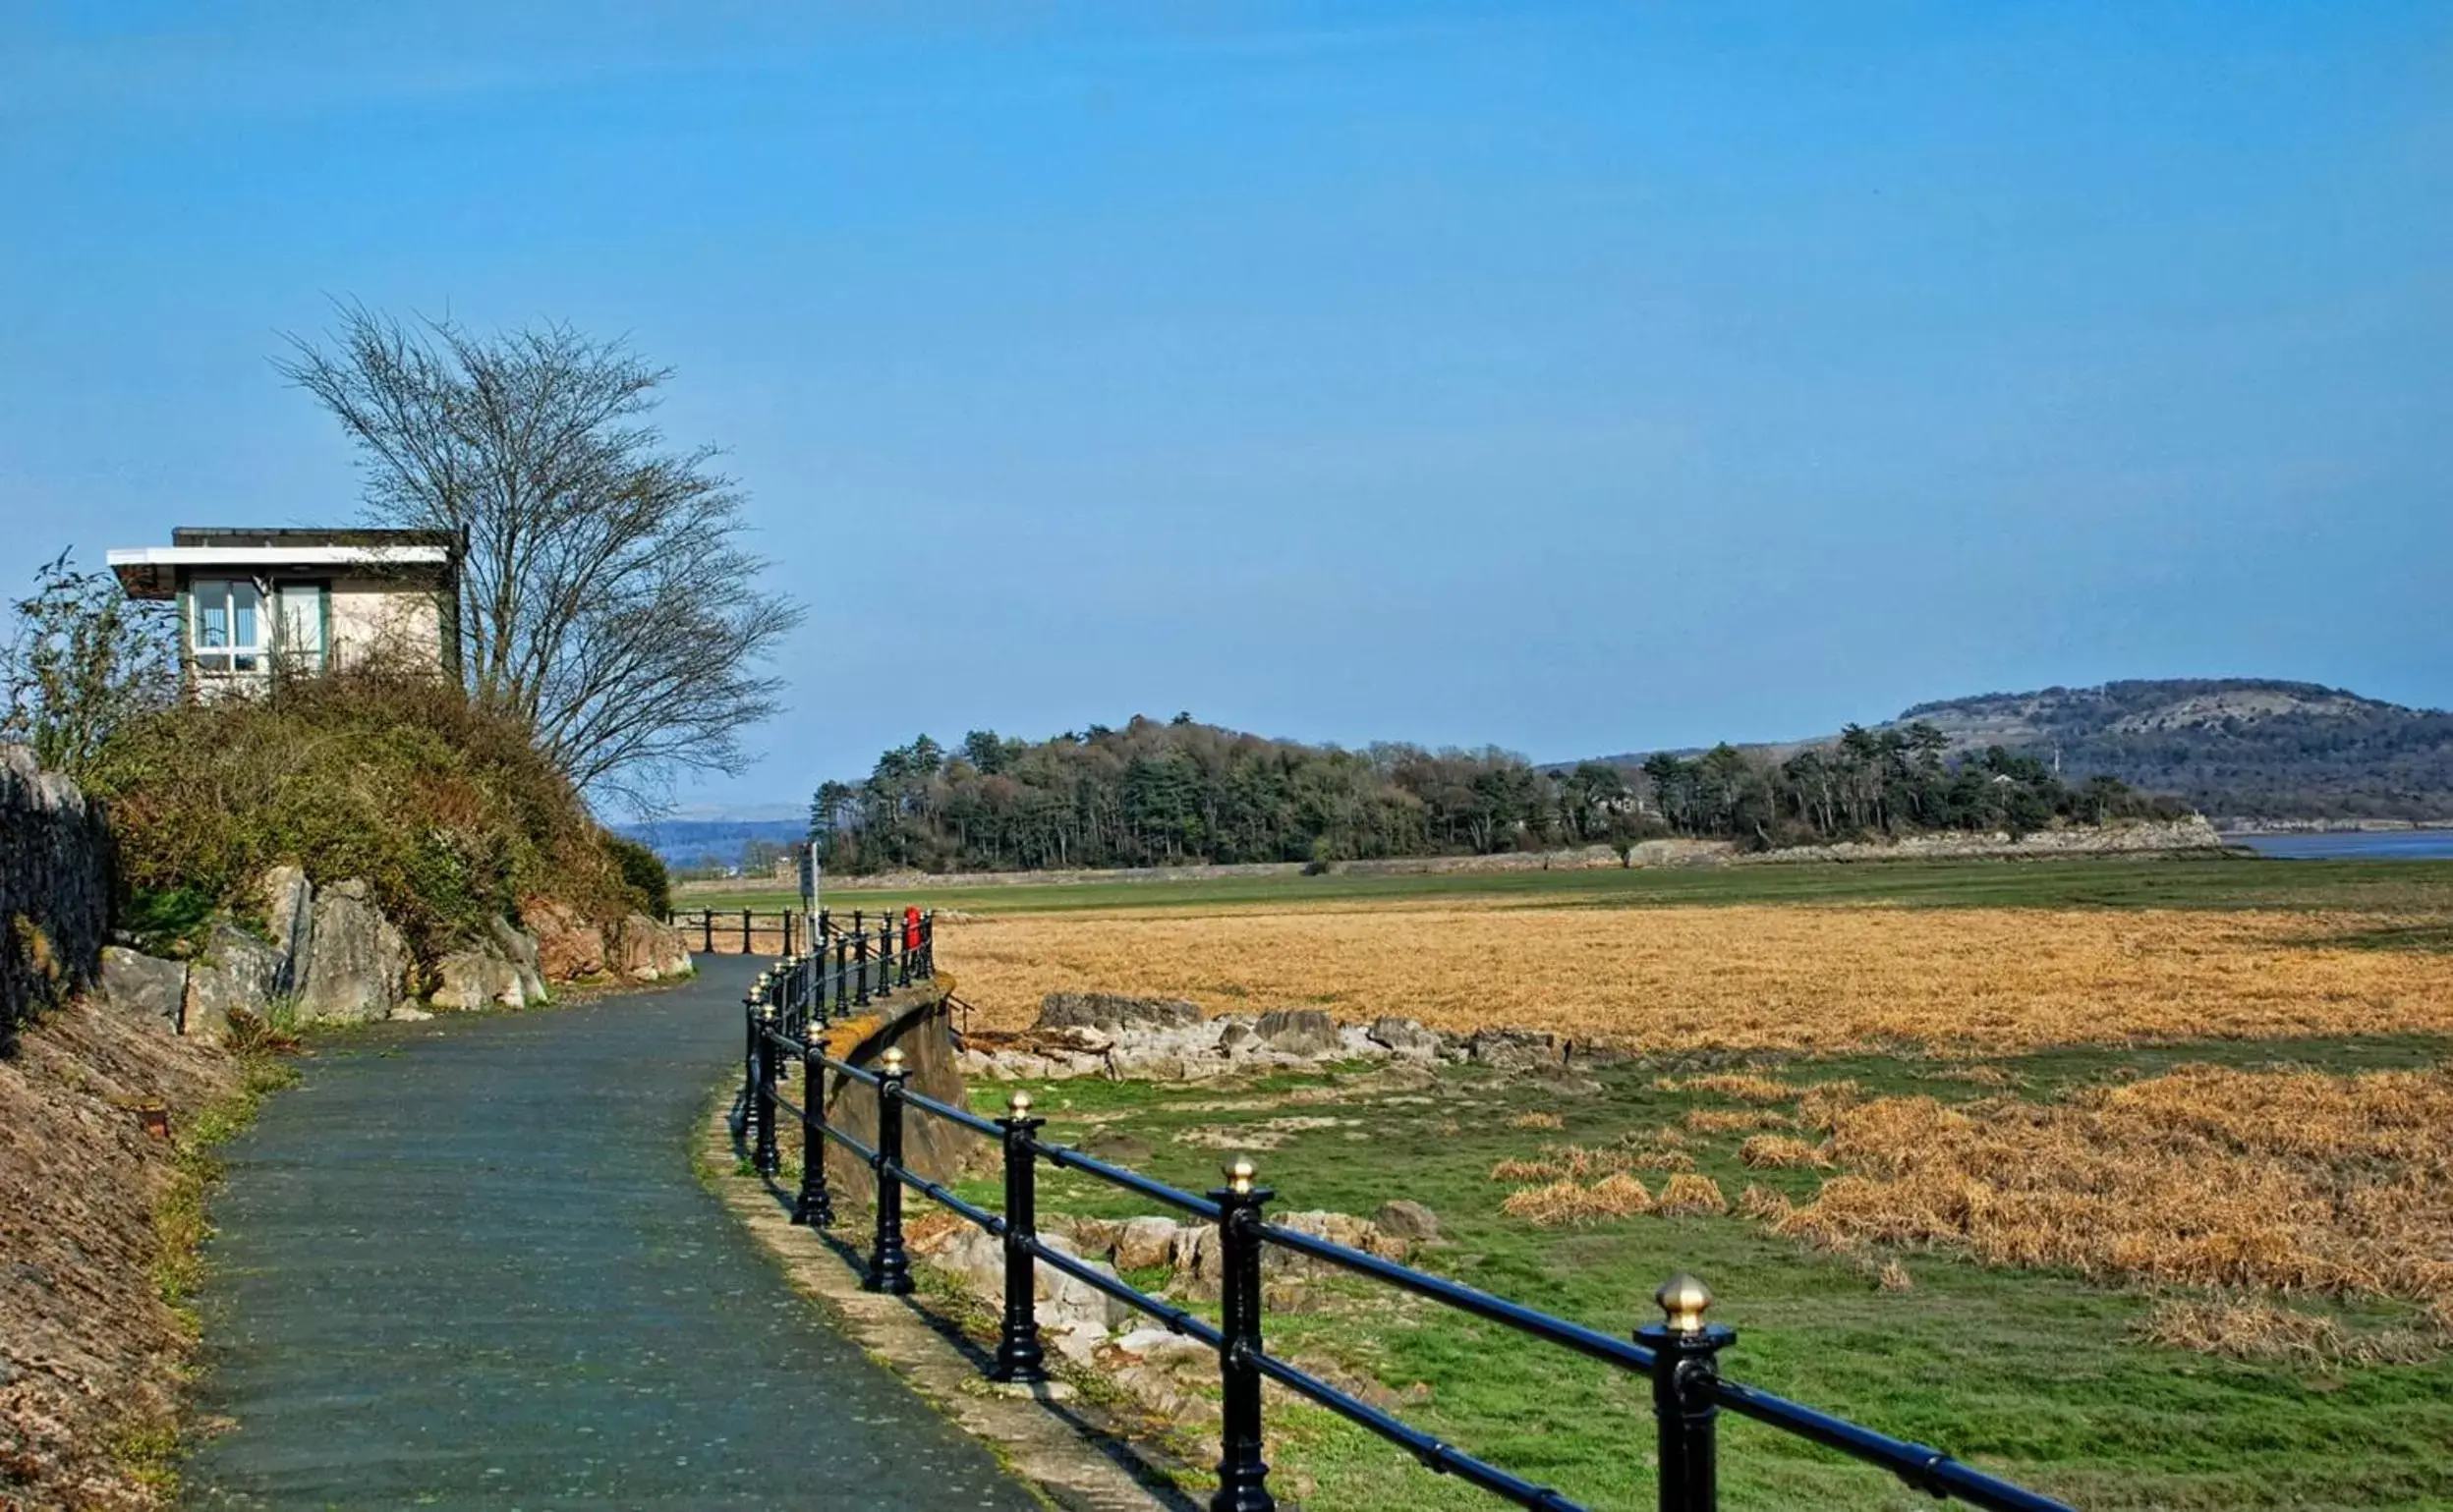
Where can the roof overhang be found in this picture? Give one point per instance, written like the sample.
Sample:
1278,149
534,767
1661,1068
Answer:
153,572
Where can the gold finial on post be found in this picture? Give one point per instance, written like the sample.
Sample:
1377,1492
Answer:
1240,1175
1018,1103
893,1059
1684,1301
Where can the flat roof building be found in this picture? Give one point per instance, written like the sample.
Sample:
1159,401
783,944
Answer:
307,601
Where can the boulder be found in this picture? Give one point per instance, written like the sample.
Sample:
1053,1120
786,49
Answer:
478,978
519,947
568,946
356,963
1406,1038
289,917
650,951
1407,1219
234,973
1516,1049
1145,1243
142,985
1113,1013
1305,1031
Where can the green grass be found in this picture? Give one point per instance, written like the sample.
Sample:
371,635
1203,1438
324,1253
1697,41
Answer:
2203,882
2031,1374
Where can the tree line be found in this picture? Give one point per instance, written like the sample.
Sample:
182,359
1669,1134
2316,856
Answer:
1182,792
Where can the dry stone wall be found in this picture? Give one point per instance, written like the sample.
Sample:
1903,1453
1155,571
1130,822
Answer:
55,889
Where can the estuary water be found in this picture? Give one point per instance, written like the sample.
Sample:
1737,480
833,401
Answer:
2353,845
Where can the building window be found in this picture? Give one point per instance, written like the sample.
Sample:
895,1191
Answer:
226,625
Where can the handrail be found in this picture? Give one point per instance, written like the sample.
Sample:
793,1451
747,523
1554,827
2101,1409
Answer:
1465,1299
1445,1458
848,967
1067,1157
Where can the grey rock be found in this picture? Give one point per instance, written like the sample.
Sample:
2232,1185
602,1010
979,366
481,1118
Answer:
478,978
1406,1218
143,986
235,974
1516,1049
1110,1012
1145,1242
1300,1032
357,964
288,902
519,947
1237,1039
1406,1038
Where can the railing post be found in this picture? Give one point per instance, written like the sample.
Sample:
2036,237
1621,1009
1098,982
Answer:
885,954
707,919
764,1157
890,1266
788,932
815,1205
928,943
745,931
842,988
909,933
749,1065
1682,1347
1243,1474
1018,1354
860,959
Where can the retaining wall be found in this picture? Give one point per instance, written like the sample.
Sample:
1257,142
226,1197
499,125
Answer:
55,888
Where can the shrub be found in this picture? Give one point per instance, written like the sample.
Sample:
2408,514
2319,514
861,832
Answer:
447,810
644,873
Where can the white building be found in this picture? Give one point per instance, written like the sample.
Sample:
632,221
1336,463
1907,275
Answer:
307,601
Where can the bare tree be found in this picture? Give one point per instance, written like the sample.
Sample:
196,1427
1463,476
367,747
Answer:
605,595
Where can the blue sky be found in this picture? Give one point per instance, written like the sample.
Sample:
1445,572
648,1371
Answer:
1577,378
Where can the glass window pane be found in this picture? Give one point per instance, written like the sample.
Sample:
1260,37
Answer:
212,613
243,616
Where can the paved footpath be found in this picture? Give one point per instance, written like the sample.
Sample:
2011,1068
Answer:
466,1263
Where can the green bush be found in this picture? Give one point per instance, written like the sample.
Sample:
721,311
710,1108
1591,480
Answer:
643,871
448,812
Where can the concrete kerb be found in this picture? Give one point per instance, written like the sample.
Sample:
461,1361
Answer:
1072,1453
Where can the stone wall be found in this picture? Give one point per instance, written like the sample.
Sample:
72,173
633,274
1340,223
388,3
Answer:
918,1024
55,889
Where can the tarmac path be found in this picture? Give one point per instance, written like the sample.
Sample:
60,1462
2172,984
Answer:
467,1264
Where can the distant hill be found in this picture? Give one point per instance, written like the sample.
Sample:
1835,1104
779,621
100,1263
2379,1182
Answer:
2232,747
711,842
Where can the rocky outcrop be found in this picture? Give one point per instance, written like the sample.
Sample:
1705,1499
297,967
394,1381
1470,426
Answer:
569,948
357,963
235,974
142,987
477,978
1129,1039
2141,837
649,951
288,903
519,947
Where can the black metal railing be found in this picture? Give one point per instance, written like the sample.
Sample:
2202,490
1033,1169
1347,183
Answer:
783,932
788,1010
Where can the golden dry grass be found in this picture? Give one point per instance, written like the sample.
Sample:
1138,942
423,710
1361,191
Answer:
1741,1086
2252,1329
1774,1152
1747,978
1566,1202
1691,1194
1734,1120
2271,1180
